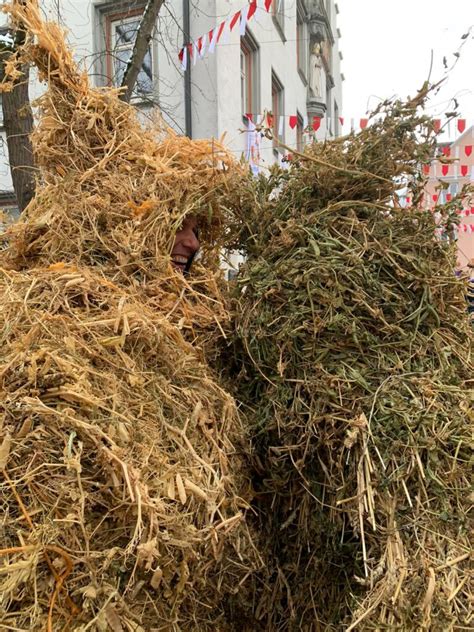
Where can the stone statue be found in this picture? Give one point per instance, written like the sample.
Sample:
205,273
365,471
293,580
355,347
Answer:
315,71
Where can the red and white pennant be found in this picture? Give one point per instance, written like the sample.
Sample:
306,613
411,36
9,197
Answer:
190,52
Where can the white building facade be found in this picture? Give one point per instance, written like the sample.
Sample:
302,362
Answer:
278,67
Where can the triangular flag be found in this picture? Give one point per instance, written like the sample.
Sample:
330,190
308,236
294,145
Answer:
234,20
249,116
213,39
226,32
316,122
190,50
269,119
446,151
436,125
220,30
435,197
444,169
408,200
184,58
461,125
341,120
252,9
293,121
268,4
468,150
448,197
464,170
203,45
426,169
472,210
243,21
363,123
199,45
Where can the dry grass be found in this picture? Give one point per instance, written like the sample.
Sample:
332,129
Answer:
122,485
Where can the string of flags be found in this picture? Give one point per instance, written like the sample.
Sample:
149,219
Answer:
316,122
208,41
466,228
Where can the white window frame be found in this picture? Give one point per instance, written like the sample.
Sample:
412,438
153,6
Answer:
249,64
279,90
278,15
106,16
302,41
115,48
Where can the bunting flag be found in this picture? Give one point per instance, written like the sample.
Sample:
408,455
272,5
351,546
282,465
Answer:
324,123
464,170
252,10
183,58
235,19
466,228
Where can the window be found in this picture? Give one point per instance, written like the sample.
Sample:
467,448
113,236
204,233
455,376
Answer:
337,122
299,132
454,188
278,13
121,35
116,27
278,110
328,105
301,41
249,75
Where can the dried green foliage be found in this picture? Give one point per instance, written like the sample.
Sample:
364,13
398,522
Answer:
352,357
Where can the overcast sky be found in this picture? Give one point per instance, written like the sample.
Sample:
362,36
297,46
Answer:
387,44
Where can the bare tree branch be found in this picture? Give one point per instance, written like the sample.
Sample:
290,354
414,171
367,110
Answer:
144,36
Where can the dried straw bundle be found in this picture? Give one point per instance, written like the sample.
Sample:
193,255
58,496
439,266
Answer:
120,481
353,357
112,194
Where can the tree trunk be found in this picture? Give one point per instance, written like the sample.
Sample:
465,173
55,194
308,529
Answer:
18,123
144,35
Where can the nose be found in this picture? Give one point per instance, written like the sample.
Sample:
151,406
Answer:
190,240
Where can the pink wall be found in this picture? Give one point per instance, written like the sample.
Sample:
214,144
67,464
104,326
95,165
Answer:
458,173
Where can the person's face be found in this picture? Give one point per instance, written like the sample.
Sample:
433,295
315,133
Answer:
186,244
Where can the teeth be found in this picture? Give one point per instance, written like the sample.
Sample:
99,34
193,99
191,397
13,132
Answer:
180,260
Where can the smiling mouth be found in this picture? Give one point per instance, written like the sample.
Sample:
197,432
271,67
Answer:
179,262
